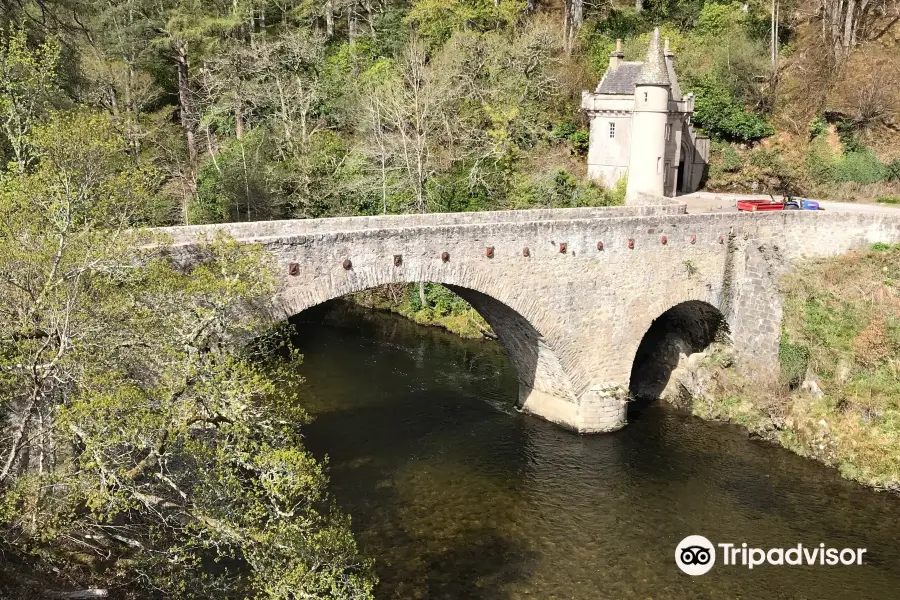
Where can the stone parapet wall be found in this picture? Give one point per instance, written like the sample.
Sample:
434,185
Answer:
254,230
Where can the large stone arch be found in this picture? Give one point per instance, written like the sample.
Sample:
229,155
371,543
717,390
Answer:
524,328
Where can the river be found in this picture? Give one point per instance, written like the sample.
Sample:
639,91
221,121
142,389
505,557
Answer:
458,496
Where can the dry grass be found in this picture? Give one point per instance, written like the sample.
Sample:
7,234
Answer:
842,319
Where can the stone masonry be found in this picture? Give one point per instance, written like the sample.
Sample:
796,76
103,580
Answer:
569,292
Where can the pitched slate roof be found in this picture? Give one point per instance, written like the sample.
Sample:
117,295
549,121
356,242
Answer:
620,81
654,70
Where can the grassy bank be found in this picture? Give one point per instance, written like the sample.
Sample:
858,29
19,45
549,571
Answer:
838,399
435,306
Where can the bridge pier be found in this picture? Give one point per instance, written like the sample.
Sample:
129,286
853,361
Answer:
599,410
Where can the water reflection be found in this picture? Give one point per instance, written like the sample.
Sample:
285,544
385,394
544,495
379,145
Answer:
458,496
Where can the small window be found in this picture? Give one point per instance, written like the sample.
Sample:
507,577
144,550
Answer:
668,131
668,168
658,164
645,96
612,129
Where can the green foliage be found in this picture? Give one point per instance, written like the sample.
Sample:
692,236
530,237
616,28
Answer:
28,85
563,130
730,159
888,199
568,131
580,142
563,190
859,166
442,308
817,127
720,115
617,194
845,315
172,445
716,19
848,132
437,20
883,247
232,185
794,361
892,171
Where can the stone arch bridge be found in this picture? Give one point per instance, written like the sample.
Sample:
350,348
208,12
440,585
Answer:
570,293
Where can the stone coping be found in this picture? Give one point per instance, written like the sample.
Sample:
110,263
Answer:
259,230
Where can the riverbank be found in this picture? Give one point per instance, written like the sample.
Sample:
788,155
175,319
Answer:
432,306
838,398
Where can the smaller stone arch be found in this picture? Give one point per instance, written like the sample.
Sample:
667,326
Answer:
685,328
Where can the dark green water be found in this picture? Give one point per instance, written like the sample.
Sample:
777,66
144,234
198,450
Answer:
457,496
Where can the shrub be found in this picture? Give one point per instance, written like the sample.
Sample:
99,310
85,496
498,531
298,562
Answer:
858,166
731,160
861,166
817,127
718,112
892,171
563,130
720,19
848,131
888,199
580,142
794,361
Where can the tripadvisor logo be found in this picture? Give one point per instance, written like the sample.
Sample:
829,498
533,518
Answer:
696,555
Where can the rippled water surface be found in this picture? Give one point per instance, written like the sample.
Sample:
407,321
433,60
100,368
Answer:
458,496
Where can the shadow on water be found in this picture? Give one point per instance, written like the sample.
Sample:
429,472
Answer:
392,432
457,496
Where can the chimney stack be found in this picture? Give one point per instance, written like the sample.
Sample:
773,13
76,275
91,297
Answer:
616,58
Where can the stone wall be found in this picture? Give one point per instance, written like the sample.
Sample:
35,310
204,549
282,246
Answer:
571,313
259,230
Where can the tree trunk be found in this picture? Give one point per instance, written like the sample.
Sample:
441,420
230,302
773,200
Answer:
638,5
370,17
849,26
574,19
186,117
329,19
422,300
773,28
238,121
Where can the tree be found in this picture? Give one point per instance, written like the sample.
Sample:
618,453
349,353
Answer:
572,22
141,439
409,105
846,22
27,84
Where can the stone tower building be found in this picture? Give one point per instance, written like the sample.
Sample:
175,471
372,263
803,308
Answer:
640,124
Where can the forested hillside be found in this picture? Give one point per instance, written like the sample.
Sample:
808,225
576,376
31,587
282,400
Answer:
257,109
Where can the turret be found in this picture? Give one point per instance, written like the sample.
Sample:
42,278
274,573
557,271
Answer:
647,168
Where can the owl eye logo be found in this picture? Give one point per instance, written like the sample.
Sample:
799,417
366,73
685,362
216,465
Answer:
695,555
